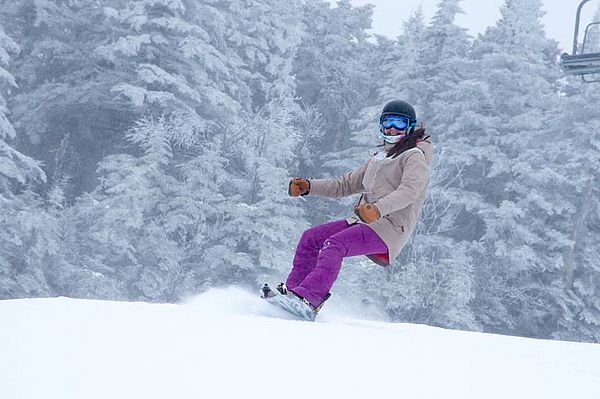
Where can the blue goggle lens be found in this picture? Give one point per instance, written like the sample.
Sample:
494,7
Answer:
400,122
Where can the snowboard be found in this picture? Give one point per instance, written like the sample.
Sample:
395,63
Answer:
289,302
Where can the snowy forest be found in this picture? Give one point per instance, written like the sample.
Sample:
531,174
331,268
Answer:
146,148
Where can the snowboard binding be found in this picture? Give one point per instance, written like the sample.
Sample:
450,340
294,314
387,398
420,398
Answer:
267,292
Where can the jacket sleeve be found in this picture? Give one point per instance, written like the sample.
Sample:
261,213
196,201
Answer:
415,177
343,186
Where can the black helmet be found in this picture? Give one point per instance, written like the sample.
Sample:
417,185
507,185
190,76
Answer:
399,107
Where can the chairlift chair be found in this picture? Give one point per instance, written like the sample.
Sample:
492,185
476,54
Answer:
582,64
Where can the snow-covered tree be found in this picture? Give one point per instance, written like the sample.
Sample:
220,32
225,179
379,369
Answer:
130,234
433,282
519,249
167,51
576,145
248,224
575,286
402,71
15,168
26,236
62,106
333,68
265,36
91,70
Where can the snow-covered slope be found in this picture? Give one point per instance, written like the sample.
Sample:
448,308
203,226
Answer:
230,344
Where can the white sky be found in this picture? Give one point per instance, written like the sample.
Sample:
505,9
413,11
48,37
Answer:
559,19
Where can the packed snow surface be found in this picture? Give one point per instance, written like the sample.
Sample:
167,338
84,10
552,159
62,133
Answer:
230,344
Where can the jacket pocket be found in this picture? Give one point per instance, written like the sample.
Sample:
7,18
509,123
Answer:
397,221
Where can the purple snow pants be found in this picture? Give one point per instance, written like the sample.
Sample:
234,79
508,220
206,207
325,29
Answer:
319,255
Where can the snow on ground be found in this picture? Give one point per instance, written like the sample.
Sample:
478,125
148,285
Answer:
230,344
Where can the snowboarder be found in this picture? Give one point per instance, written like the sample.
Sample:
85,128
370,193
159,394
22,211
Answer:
393,186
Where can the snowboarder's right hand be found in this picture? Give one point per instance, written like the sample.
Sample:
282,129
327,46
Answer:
298,187
368,213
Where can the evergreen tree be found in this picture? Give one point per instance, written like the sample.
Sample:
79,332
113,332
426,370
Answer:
90,72
129,236
575,180
16,169
333,67
435,279
26,238
167,51
265,36
517,67
241,181
63,109
443,59
576,147
402,72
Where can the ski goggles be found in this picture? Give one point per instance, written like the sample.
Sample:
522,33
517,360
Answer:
389,121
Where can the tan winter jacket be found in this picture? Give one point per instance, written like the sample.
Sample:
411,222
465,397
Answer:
397,186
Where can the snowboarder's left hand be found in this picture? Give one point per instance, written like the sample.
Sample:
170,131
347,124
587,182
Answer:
368,213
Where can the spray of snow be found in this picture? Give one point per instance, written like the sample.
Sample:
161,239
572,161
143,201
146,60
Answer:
239,301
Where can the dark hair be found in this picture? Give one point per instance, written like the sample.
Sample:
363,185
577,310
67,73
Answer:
407,142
